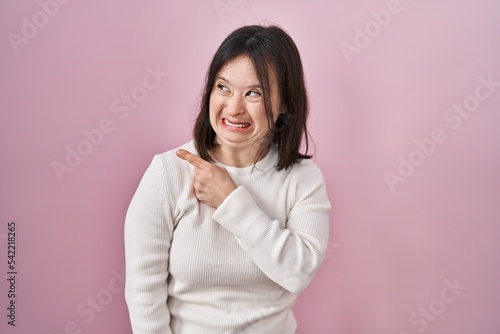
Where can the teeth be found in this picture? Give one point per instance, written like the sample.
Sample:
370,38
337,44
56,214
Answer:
242,125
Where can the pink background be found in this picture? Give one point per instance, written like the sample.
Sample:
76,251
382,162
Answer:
394,250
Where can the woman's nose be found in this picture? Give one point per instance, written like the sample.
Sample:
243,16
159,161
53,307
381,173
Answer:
234,105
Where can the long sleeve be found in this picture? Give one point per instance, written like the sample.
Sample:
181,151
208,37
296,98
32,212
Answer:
289,256
148,231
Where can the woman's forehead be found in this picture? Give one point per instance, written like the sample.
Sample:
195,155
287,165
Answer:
240,71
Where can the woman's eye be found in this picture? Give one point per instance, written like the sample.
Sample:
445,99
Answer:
253,93
222,87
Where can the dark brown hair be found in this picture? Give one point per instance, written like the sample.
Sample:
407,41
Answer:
271,50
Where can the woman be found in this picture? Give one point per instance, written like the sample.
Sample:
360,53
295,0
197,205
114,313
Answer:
224,233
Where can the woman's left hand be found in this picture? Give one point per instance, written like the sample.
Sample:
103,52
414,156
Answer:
212,184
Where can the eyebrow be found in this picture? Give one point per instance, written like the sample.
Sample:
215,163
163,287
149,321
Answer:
250,86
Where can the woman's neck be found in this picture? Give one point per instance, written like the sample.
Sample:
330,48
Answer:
237,157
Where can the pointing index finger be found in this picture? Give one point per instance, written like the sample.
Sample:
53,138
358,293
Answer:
194,160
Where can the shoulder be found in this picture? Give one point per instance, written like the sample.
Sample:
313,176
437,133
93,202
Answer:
300,180
306,169
307,182
170,158
302,184
174,170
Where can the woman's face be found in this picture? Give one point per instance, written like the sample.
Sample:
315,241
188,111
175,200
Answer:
237,112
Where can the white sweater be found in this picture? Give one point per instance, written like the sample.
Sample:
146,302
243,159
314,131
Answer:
192,269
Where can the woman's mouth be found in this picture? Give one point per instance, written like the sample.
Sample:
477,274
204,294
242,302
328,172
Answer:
237,125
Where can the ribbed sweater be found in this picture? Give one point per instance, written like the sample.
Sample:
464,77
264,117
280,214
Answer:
193,269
